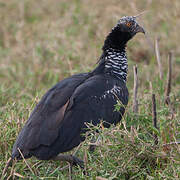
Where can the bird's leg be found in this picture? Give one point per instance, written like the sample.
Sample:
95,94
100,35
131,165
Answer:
74,153
69,158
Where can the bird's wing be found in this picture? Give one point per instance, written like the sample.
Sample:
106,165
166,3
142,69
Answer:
99,95
43,124
91,102
59,119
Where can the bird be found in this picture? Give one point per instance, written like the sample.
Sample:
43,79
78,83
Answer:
58,122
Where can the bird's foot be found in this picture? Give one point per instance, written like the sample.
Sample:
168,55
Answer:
73,160
77,161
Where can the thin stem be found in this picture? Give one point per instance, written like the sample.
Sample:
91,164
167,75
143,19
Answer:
135,101
169,78
158,58
154,114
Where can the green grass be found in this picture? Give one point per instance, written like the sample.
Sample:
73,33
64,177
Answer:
42,42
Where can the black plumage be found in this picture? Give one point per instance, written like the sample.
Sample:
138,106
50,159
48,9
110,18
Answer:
58,121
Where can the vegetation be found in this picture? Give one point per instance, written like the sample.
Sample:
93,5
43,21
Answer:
42,42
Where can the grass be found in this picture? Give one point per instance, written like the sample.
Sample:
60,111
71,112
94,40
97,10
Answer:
42,42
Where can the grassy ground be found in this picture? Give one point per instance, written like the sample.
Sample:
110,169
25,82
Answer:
42,42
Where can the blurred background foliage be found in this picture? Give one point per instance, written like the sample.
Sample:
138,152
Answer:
44,41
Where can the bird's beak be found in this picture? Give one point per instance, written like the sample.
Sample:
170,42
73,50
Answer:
140,29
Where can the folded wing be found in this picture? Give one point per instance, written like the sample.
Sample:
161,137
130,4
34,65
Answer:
59,120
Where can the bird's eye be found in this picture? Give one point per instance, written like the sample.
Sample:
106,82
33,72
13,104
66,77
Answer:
128,24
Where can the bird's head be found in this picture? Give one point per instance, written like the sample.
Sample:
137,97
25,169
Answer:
124,30
130,25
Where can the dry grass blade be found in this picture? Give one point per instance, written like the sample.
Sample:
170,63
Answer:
151,87
6,167
100,178
19,175
77,149
135,101
63,168
154,114
169,79
70,171
26,162
172,143
12,170
158,58
70,66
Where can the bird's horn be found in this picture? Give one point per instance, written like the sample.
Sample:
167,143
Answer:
140,14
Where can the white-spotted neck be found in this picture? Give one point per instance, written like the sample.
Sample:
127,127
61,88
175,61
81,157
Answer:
116,63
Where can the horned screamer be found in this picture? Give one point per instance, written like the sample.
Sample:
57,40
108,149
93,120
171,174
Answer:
58,122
